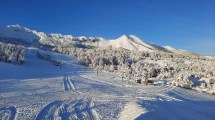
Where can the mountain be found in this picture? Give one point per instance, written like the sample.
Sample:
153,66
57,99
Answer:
179,51
18,32
130,42
32,36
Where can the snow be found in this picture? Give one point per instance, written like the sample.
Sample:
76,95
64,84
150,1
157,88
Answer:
177,51
131,43
170,48
131,111
40,90
18,32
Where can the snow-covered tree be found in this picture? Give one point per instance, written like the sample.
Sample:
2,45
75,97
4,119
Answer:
12,53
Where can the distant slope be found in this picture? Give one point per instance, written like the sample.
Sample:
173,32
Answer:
132,43
178,51
18,32
129,42
32,36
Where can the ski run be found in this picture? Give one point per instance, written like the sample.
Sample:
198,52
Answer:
39,90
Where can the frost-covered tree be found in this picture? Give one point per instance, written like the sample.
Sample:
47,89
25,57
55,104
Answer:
12,53
162,65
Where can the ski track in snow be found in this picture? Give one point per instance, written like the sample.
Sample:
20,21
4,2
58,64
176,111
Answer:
7,113
68,85
78,110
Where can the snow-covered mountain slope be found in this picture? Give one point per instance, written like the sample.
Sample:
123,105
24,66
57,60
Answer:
130,42
32,36
178,51
170,48
18,32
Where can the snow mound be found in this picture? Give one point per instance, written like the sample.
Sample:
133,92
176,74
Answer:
182,80
131,111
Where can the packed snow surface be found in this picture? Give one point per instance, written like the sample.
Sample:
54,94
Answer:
42,91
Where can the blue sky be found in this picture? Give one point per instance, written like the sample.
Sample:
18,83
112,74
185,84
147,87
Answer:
183,24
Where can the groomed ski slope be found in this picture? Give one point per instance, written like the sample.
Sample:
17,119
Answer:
40,90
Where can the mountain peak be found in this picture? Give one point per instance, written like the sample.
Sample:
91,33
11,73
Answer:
124,37
134,37
18,32
15,26
18,27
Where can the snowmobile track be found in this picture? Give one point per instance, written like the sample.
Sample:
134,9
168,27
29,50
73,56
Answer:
12,111
76,110
47,111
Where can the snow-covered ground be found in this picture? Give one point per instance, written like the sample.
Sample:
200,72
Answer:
40,90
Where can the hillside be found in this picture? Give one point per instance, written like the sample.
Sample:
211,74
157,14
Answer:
40,90
129,42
